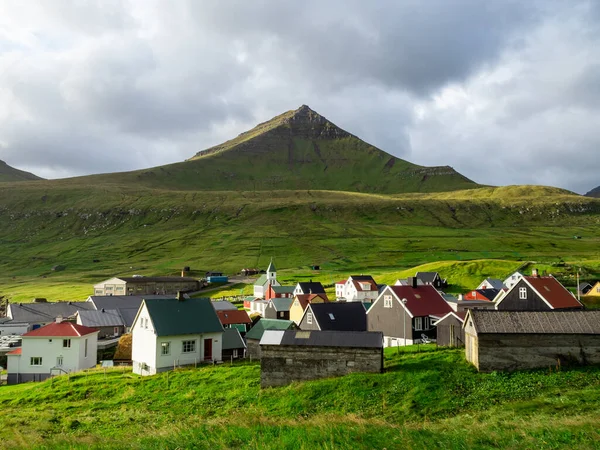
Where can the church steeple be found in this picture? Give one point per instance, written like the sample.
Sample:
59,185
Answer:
271,271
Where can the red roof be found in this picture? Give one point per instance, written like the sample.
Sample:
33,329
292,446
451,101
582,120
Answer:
233,316
422,300
341,282
16,351
367,279
305,299
553,292
66,329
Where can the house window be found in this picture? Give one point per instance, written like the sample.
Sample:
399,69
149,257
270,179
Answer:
146,323
188,347
281,314
418,323
426,323
36,361
387,301
85,348
165,348
59,361
598,289
523,293
235,352
309,318
67,343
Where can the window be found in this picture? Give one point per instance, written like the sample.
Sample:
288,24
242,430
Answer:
281,313
418,323
59,361
49,340
146,323
598,289
36,361
165,348
188,347
331,316
85,348
235,352
426,323
309,318
67,343
523,293
387,301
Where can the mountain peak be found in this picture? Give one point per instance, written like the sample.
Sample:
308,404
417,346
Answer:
8,173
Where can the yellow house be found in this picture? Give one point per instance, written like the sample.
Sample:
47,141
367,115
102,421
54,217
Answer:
300,303
594,291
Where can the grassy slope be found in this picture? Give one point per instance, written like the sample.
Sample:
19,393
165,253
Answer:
426,399
10,174
137,230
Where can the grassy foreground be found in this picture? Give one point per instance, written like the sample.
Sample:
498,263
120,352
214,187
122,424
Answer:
424,400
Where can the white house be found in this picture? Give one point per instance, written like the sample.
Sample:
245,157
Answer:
171,332
53,349
339,289
262,284
258,306
491,283
359,288
513,279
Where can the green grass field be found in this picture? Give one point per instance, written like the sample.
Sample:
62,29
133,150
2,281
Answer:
427,399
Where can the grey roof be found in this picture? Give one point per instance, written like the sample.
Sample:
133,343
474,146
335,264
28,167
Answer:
584,285
283,289
156,279
45,312
495,283
427,277
282,304
405,282
171,316
271,267
127,305
536,322
101,318
353,339
232,339
337,316
223,305
261,281
311,287
490,294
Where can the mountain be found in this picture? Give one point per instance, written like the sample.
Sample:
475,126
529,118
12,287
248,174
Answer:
296,150
594,193
8,173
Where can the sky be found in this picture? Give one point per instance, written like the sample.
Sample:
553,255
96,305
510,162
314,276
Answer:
506,92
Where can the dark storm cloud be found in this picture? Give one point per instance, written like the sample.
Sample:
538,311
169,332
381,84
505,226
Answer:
501,89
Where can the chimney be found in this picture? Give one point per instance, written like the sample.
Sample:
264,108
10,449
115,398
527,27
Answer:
185,271
412,282
534,273
59,319
180,296
103,310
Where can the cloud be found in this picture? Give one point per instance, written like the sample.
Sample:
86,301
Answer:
502,90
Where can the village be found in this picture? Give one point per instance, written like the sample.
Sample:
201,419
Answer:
157,324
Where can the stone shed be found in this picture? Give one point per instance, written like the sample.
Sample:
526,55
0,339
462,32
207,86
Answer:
294,355
516,340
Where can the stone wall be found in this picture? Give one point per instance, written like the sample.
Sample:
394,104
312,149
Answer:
530,351
281,365
253,349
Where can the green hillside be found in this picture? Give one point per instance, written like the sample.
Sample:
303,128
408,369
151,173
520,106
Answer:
427,398
297,150
10,174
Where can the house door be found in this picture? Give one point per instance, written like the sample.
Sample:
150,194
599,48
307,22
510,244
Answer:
208,349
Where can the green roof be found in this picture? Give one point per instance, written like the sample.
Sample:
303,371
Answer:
232,339
268,324
261,281
271,267
189,316
282,304
283,289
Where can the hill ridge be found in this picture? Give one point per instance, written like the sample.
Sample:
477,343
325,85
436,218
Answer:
11,174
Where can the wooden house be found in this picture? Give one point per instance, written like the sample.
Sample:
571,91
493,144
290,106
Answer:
57,348
593,290
488,294
359,288
450,332
491,283
301,302
406,314
278,308
513,279
432,278
515,340
279,292
309,287
289,356
108,322
233,346
173,332
537,293
334,316
237,319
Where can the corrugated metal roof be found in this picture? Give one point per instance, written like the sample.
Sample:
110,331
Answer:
536,322
171,316
45,312
554,292
102,318
143,279
232,339
268,324
353,339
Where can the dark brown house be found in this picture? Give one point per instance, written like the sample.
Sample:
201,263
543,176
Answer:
537,293
450,332
405,314
334,316
516,340
289,356
279,308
